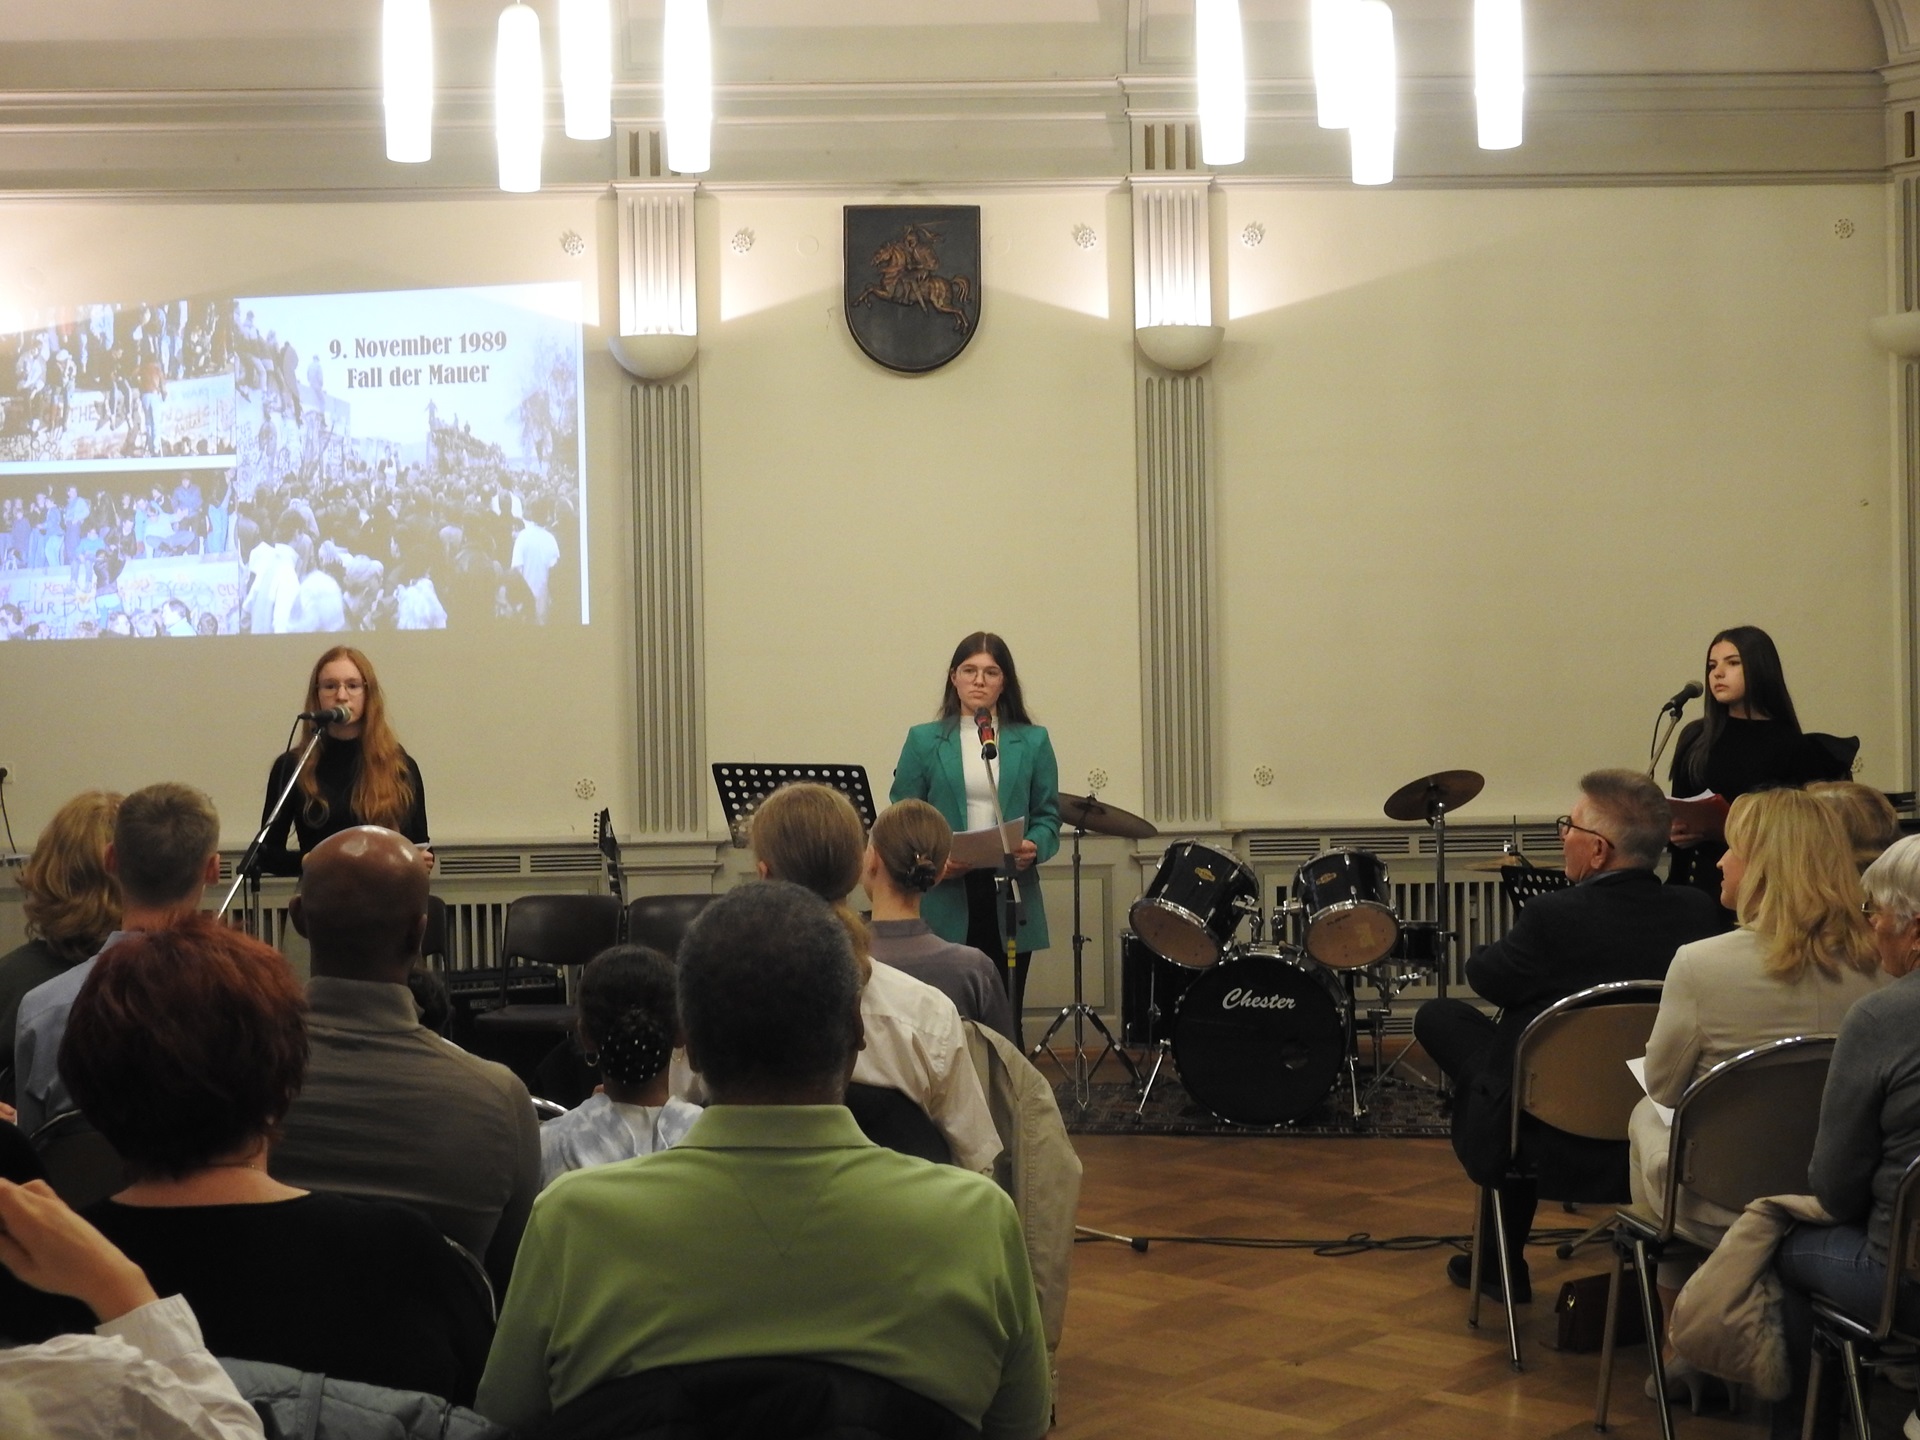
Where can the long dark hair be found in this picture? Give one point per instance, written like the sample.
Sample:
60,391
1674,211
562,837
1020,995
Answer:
1766,695
1012,706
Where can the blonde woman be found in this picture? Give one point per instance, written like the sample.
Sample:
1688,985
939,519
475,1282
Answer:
1802,955
1865,814
360,775
810,835
71,905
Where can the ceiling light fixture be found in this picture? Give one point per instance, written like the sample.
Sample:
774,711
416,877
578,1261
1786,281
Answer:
519,99
1375,118
586,68
406,74
1499,72
1221,69
1333,40
687,79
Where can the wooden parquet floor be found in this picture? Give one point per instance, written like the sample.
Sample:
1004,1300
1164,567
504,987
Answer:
1199,1341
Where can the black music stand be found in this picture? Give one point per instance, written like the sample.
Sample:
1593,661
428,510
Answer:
743,787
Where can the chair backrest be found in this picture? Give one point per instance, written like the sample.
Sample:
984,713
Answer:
547,1109
1746,1127
766,1397
1903,1247
890,1118
1570,1065
477,1278
661,921
560,929
82,1167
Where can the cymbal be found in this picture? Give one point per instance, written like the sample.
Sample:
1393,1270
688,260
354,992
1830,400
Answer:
1451,788
1099,818
1497,863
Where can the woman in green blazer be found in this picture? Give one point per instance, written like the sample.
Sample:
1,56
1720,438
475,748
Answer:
941,764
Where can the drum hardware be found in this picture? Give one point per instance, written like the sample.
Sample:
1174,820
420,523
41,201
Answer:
1419,952
1087,815
1430,798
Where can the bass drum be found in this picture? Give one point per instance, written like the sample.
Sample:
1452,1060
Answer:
1259,1039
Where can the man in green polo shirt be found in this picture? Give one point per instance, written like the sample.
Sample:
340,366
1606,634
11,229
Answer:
775,1228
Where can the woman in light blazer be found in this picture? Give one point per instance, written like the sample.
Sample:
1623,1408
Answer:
942,764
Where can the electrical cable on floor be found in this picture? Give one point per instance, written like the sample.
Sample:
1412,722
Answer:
1359,1243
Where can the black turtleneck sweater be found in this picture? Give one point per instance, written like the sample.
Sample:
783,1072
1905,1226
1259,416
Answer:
336,765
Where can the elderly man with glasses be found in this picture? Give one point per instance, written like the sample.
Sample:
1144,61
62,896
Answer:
1615,922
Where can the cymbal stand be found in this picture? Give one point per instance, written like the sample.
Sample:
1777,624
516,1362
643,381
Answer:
1377,1016
1437,817
1082,1013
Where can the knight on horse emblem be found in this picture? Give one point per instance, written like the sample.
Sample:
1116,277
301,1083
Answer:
912,282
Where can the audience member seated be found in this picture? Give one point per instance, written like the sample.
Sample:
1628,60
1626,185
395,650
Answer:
1869,1134
1802,957
390,1110
185,1048
143,1371
811,835
775,1228
71,906
163,856
629,1026
1865,813
906,856
1617,922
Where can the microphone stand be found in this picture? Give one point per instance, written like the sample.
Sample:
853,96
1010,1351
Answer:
1661,739
1007,881
248,868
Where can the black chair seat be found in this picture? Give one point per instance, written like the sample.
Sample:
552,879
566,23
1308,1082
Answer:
768,1398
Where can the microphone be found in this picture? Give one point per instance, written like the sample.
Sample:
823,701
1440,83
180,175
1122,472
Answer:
1690,691
983,723
338,715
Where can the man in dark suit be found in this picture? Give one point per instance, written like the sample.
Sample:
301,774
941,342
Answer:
1617,922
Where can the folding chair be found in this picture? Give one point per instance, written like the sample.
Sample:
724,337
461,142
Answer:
1742,1130
1834,1328
1570,1072
661,921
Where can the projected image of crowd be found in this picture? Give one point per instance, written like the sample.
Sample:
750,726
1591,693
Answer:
359,537
106,382
279,518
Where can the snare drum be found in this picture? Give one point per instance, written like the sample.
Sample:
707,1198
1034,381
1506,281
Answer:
1194,904
1417,954
1259,1039
1348,905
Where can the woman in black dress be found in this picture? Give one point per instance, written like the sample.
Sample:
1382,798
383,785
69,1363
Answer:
1749,739
358,776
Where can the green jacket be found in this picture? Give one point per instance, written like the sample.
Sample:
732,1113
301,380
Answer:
929,770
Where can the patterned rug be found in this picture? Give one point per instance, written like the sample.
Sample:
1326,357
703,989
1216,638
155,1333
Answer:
1398,1108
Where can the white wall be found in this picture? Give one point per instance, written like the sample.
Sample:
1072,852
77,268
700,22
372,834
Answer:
1492,466
859,522
1495,465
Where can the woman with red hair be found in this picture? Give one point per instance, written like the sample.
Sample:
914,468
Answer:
184,1049
360,775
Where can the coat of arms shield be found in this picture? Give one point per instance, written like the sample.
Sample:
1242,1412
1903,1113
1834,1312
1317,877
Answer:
913,282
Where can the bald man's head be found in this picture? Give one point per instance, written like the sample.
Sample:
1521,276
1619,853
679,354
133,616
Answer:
363,905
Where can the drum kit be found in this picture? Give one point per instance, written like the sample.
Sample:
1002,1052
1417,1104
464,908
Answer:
1262,1032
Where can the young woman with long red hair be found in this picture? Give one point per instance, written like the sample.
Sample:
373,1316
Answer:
360,775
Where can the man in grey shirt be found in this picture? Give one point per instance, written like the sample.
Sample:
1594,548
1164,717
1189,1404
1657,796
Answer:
390,1109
